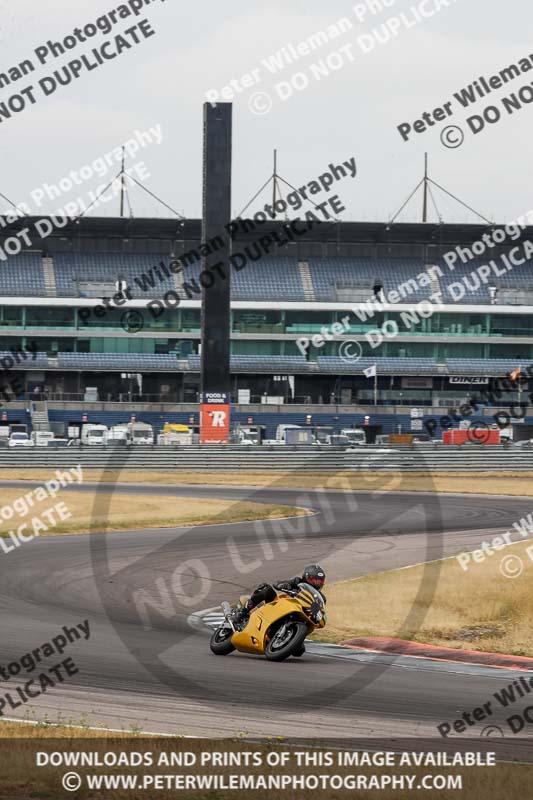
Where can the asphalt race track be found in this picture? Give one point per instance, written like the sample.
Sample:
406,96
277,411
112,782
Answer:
145,665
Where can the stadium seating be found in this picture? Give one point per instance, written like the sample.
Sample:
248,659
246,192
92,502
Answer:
39,362
327,273
108,268
484,366
99,362
128,362
269,364
272,278
384,366
268,279
462,274
138,362
22,275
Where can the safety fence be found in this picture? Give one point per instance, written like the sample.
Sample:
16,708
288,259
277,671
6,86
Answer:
471,457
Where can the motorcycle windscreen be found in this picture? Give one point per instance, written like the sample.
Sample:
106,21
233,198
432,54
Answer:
312,602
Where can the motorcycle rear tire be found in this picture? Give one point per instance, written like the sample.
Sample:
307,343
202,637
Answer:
292,646
222,647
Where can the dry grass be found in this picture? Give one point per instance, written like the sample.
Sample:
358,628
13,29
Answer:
112,512
440,604
48,730
512,483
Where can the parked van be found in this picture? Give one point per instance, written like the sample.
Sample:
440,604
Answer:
41,438
357,436
248,434
118,434
291,434
140,433
20,439
176,434
94,434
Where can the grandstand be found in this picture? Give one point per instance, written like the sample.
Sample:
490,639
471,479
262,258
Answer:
50,294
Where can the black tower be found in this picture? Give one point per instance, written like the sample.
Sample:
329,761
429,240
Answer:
215,359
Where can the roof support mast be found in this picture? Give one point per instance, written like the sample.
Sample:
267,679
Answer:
122,186
425,205
427,183
274,183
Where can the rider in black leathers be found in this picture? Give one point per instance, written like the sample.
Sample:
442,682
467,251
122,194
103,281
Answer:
266,592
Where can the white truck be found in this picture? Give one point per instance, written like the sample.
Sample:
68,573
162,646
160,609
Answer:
357,436
248,434
338,440
41,438
291,434
94,434
118,434
175,434
140,433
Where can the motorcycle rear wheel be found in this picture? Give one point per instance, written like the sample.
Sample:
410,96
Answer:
281,646
220,643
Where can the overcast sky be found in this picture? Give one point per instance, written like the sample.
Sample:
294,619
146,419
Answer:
354,112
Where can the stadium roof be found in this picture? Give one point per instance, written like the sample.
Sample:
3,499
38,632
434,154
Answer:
190,230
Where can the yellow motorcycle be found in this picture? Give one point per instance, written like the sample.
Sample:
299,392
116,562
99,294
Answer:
276,630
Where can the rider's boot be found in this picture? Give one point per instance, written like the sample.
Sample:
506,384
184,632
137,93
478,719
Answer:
242,615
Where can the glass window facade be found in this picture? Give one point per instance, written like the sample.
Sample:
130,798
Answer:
268,321
263,332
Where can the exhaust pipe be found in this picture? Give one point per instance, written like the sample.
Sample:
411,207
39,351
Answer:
226,608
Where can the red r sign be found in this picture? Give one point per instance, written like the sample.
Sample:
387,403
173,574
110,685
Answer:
215,423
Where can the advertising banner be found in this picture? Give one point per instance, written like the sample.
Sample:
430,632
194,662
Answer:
214,418
475,381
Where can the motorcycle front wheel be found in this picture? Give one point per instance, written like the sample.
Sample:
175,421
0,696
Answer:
220,643
287,640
